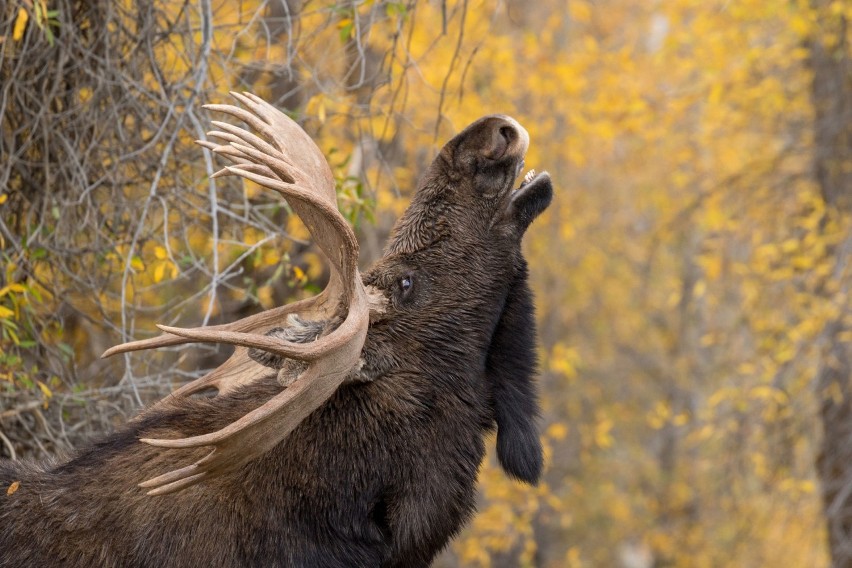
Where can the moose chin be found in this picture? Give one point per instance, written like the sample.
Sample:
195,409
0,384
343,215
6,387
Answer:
347,429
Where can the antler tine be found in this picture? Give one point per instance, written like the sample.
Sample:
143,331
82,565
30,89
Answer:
241,135
222,151
266,319
280,167
244,115
300,351
269,160
165,340
254,168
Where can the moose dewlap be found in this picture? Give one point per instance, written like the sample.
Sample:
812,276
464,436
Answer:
348,428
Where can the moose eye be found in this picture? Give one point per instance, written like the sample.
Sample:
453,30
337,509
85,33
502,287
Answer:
405,283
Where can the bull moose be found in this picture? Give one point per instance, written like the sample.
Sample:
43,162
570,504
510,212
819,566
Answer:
347,429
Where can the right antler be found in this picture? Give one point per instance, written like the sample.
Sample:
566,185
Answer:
271,160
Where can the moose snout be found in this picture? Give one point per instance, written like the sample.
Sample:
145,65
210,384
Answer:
508,137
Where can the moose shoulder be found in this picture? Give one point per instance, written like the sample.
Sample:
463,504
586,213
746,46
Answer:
348,429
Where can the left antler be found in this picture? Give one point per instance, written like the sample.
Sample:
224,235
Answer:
285,159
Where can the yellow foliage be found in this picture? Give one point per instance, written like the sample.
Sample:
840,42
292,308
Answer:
20,24
603,435
683,274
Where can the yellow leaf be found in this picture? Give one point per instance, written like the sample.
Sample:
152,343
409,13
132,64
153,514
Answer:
12,288
12,488
137,264
580,12
789,245
264,295
6,312
712,265
715,218
564,360
159,271
801,25
271,257
3,198
160,252
84,94
603,437
321,112
20,24
315,264
557,431
45,390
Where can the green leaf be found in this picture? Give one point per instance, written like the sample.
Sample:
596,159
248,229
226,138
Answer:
346,31
396,9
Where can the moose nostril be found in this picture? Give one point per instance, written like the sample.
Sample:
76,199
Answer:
502,139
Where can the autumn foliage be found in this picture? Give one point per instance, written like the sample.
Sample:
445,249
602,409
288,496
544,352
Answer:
691,275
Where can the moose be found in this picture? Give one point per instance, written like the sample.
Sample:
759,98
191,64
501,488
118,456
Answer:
346,429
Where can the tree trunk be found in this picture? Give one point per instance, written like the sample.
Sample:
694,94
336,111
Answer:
831,64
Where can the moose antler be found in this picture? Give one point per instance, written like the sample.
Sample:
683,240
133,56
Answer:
285,159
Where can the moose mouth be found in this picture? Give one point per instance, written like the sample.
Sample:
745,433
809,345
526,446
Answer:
529,178
529,199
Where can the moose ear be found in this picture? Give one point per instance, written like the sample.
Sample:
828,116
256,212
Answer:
510,370
530,200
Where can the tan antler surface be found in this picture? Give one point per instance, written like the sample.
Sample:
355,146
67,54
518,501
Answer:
282,157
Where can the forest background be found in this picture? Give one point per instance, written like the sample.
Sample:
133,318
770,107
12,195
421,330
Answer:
692,275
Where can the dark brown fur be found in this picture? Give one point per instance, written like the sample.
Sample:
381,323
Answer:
384,473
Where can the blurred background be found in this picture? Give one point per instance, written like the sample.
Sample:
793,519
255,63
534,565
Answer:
692,275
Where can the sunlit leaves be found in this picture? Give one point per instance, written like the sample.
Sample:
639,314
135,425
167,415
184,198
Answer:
682,275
